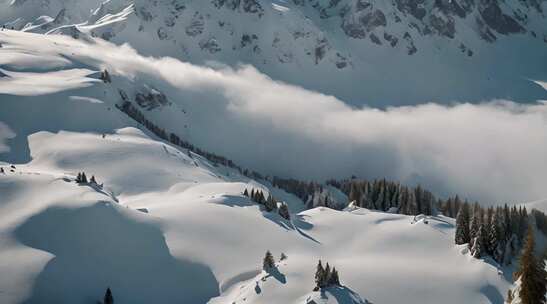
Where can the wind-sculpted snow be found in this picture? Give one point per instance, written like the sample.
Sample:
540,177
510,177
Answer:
450,149
64,241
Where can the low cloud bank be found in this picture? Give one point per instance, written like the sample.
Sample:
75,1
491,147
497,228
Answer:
494,152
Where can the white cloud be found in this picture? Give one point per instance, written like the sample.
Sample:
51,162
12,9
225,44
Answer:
495,151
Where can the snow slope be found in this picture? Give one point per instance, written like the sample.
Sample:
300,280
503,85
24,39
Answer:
195,242
169,226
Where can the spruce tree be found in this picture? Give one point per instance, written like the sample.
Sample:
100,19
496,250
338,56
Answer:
475,222
268,263
92,180
108,298
84,178
79,177
326,278
246,193
462,226
532,273
494,236
334,279
478,249
270,204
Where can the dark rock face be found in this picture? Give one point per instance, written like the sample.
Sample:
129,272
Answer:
443,25
248,6
150,99
358,25
412,7
493,16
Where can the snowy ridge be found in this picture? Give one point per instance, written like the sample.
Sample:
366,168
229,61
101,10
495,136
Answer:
373,42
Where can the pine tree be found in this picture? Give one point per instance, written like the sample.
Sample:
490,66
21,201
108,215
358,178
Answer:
253,197
532,274
92,180
462,226
268,263
79,177
108,298
283,256
284,211
84,178
246,193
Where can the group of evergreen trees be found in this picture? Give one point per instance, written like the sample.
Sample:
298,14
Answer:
270,204
494,231
325,277
268,263
385,195
81,178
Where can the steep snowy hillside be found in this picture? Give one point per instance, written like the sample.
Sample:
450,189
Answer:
165,225
58,235
355,49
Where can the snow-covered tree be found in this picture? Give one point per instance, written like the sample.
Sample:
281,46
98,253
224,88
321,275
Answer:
475,222
283,256
462,226
478,249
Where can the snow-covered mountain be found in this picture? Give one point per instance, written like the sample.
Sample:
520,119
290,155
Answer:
165,225
366,52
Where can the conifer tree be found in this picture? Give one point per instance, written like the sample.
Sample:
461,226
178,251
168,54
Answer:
84,178
475,222
79,177
270,204
246,193
326,278
462,225
532,274
268,263
355,194
478,249
284,211
92,180
334,279
319,276
283,256
108,298
494,236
